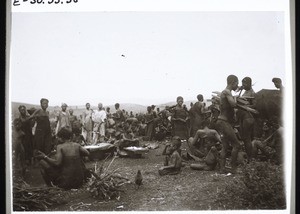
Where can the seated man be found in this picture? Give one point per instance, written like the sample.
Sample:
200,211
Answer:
271,146
201,143
66,169
125,140
173,161
210,161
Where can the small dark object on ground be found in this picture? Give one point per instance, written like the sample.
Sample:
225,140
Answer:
138,178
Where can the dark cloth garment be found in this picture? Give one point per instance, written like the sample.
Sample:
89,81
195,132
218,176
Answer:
27,140
69,175
43,136
247,131
149,120
72,119
229,137
180,127
196,118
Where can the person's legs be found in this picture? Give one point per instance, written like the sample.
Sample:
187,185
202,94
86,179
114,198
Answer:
247,133
225,129
49,173
96,133
102,132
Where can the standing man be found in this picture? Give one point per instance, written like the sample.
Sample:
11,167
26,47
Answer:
245,118
196,116
63,119
225,124
99,119
118,116
87,124
26,127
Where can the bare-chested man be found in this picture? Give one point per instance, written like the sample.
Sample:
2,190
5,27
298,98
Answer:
225,124
197,145
66,169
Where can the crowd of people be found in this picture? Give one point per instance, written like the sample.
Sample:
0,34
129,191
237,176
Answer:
211,132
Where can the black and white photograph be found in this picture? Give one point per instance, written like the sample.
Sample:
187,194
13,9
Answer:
140,110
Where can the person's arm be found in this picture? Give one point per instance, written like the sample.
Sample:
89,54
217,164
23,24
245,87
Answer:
54,162
231,100
173,164
217,136
33,114
83,151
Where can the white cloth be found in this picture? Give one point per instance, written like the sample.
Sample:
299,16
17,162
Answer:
99,116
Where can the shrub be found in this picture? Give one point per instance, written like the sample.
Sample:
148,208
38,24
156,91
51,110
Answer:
260,186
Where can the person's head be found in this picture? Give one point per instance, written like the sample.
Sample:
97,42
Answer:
88,106
71,111
44,103
64,134
191,104
174,145
247,83
232,82
64,106
179,100
149,108
200,97
22,110
153,107
107,109
100,106
117,106
157,109
277,82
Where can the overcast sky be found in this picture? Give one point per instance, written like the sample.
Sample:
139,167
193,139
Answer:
141,57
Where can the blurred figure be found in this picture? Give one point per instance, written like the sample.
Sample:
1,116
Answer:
180,118
26,127
63,119
196,115
99,119
149,121
87,124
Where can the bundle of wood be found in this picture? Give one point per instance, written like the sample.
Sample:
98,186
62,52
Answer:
106,185
26,198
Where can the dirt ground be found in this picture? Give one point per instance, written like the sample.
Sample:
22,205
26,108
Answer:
189,190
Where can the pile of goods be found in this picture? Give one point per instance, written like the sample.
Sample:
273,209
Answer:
26,198
106,185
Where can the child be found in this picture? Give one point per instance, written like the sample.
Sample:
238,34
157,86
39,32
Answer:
173,164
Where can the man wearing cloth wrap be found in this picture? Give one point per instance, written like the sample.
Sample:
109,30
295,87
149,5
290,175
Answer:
246,119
